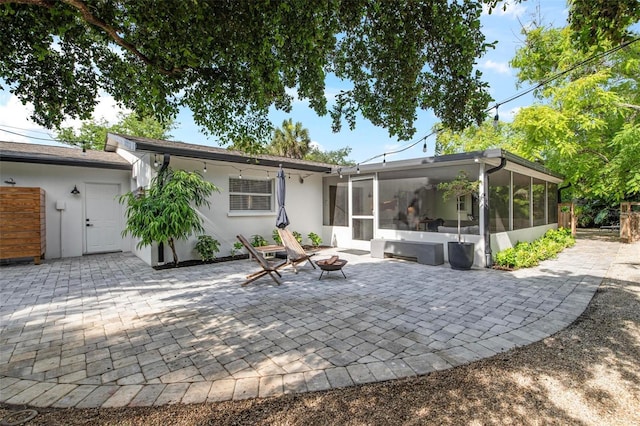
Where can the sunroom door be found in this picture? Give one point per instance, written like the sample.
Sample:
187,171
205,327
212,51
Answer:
362,216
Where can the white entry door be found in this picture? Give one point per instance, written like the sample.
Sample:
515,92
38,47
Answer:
102,217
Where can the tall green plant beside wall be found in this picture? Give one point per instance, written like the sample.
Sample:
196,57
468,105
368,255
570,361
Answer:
167,211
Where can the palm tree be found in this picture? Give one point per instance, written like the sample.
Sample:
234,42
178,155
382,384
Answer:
291,141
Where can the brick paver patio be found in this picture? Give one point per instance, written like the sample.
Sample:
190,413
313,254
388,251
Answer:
108,331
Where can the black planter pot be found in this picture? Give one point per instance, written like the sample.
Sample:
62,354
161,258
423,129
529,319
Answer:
461,255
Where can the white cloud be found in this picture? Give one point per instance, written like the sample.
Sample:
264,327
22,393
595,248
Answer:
499,67
107,109
316,145
512,11
14,117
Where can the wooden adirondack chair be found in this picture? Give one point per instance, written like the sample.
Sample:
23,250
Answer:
295,253
268,268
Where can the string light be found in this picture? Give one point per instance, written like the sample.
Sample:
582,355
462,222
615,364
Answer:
204,170
155,160
240,175
424,147
384,159
496,118
340,172
358,168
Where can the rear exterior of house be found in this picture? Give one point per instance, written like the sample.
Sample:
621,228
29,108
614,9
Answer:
400,200
87,222
347,207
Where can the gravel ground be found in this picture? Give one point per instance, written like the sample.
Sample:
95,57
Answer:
587,374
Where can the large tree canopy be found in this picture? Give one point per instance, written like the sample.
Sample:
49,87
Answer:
586,122
230,61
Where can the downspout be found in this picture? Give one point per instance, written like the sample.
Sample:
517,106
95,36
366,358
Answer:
165,165
560,191
488,258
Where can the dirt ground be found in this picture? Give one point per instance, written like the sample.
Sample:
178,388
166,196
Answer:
587,374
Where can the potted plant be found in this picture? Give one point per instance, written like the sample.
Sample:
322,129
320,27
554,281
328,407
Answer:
461,254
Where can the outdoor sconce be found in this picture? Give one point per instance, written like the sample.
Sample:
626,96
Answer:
75,190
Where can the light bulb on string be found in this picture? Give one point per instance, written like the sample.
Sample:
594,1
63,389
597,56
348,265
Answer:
204,169
384,159
496,119
424,147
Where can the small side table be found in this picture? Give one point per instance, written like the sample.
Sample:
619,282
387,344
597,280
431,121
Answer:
334,263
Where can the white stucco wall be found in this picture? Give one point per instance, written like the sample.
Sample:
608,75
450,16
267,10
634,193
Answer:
65,229
504,240
303,204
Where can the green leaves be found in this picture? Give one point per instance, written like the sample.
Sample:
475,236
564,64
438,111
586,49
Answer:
166,212
93,133
526,255
230,62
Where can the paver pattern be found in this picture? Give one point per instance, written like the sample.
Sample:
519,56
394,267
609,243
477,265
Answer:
109,331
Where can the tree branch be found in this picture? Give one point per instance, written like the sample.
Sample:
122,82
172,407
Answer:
113,33
623,104
95,21
596,153
42,3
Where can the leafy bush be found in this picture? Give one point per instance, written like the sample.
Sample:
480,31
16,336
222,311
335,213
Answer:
207,247
315,239
526,255
237,247
258,241
297,236
276,237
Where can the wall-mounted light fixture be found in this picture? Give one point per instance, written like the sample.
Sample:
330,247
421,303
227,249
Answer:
10,181
75,190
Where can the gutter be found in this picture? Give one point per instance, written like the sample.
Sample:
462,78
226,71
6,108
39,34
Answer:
488,258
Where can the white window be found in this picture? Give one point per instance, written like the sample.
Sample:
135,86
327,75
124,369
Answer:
250,195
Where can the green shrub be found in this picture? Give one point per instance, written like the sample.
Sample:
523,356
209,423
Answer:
258,241
237,247
297,236
276,237
526,255
315,239
207,247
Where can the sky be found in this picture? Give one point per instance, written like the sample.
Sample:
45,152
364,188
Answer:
366,140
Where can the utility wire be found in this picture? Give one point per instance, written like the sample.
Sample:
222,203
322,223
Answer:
74,143
542,83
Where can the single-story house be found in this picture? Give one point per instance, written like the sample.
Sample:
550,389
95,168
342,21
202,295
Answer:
346,206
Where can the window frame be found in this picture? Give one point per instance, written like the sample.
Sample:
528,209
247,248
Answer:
250,212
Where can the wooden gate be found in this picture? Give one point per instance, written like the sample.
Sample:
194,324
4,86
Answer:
567,217
629,222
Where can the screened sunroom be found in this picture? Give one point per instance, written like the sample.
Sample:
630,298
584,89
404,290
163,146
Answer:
517,201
